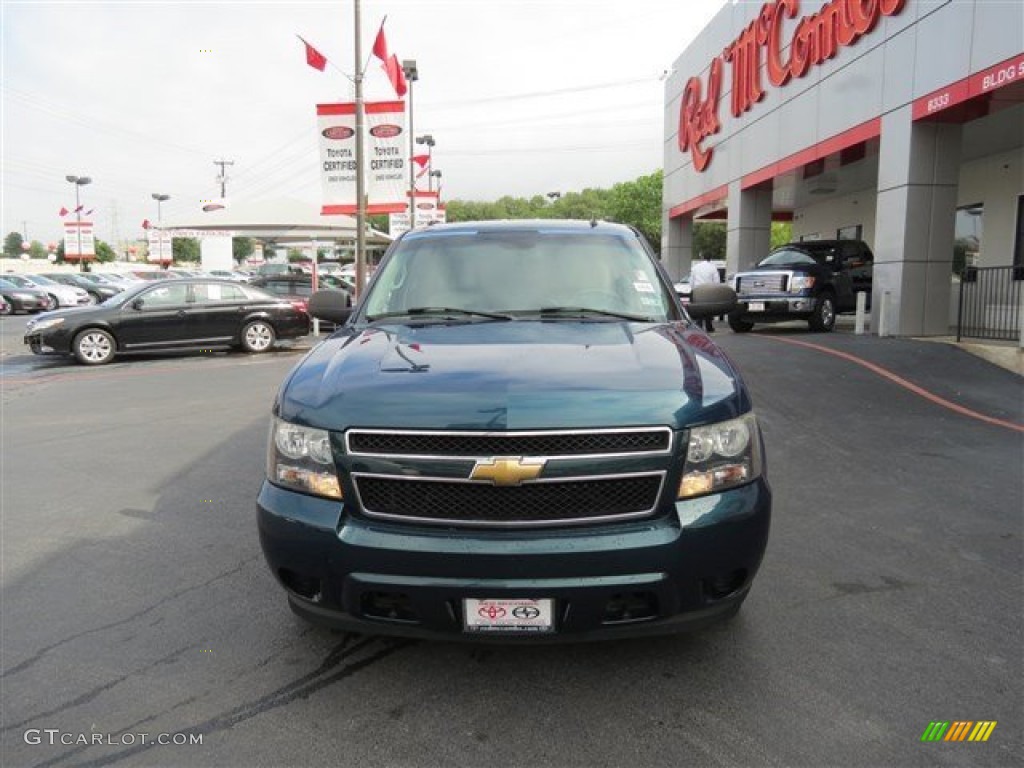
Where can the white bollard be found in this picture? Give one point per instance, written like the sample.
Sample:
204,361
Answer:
883,316
316,326
862,302
1020,324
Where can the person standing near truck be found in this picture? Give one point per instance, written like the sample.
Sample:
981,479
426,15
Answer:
705,273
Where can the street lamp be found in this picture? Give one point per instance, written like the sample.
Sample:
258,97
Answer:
160,199
411,76
79,181
430,184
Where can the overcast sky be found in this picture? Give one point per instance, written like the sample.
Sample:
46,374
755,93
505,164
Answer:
522,97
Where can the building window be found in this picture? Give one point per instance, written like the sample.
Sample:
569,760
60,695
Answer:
970,220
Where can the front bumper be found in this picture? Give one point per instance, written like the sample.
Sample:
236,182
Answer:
678,571
30,305
49,342
767,308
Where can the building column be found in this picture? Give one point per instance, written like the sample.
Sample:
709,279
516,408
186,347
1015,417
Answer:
677,245
915,222
749,228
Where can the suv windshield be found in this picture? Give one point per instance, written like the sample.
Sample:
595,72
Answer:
785,257
520,272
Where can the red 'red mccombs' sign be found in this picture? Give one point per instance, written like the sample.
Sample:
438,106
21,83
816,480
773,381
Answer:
758,50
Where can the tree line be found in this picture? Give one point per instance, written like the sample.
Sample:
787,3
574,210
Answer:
636,203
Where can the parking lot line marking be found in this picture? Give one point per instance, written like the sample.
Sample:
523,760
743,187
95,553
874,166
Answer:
920,391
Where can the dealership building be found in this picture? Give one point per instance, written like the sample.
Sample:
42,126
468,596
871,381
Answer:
899,122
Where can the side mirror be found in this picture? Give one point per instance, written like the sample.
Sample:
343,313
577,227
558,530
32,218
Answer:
711,299
138,304
332,306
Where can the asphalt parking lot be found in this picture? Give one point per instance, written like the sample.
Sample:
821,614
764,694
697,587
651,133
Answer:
136,600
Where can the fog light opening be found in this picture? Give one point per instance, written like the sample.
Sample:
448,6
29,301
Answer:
629,607
725,584
388,606
307,587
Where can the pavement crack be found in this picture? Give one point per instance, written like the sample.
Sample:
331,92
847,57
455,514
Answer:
42,652
301,688
90,695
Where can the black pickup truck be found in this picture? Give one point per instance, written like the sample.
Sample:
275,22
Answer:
810,280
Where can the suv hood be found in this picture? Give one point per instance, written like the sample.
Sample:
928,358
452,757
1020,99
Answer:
513,376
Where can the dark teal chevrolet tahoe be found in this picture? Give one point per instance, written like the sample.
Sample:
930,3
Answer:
518,434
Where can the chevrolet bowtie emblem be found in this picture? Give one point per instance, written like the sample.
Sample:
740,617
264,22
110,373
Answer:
510,470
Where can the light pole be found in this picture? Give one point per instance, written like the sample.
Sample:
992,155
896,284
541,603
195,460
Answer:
429,141
160,200
78,181
411,76
430,184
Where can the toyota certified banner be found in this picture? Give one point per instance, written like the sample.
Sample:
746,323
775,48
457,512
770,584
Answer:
78,241
385,147
428,211
159,242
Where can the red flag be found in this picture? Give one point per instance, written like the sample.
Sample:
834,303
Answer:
380,45
421,160
396,75
64,211
314,58
146,224
423,170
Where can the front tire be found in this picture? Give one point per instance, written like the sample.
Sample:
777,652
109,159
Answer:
94,347
823,319
258,336
740,326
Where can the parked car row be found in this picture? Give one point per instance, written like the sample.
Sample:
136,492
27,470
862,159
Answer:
17,298
60,294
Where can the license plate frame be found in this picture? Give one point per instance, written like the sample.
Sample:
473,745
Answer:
508,615
755,306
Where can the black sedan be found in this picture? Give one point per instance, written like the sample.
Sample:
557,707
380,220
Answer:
18,299
171,314
99,292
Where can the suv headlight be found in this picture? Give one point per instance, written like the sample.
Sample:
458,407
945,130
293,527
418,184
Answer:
799,283
300,458
721,456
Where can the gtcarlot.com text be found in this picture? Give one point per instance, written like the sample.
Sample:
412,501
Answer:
55,736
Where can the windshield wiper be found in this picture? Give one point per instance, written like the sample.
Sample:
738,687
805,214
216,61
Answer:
584,312
446,312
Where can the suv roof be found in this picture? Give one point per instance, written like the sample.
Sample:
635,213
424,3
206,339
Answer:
519,225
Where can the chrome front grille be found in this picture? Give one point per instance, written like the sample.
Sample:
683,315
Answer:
757,284
487,478
611,442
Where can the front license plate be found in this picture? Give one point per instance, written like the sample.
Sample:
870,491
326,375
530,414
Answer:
755,306
508,615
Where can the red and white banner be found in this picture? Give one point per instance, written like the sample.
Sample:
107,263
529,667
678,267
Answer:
78,241
428,211
160,249
386,174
